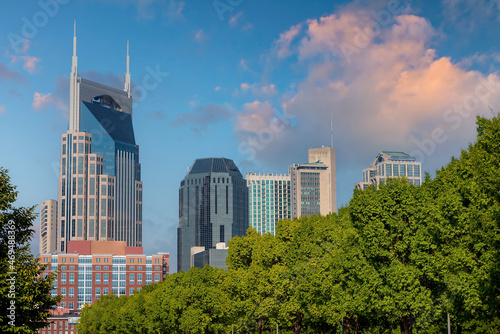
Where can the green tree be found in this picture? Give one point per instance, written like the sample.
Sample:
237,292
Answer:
25,298
392,226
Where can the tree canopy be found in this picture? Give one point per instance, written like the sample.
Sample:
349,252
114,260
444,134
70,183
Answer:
25,298
398,258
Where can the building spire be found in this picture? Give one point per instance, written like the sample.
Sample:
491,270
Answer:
127,74
74,62
74,89
331,128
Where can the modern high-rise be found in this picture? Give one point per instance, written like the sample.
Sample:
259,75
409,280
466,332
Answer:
313,185
390,164
268,200
48,226
213,208
100,188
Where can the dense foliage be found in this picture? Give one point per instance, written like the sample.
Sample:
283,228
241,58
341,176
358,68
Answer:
398,259
25,298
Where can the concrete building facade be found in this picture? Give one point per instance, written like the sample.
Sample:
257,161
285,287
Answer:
48,226
313,185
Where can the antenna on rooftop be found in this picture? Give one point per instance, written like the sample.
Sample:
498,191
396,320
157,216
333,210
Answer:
331,128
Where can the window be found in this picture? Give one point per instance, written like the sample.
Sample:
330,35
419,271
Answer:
132,268
97,278
416,171
131,279
396,169
71,305
157,277
131,291
97,292
410,170
71,293
63,292
139,278
106,281
98,268
105,291
63,278
388,170
71,278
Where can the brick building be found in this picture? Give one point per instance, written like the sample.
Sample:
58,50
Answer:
91,269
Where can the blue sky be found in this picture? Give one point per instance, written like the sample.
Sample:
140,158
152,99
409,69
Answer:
253,81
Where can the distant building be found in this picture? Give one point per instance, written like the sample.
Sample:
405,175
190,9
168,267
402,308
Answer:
62,321
91,269
215,257
48,226
213,208
390,164
314,185
269,201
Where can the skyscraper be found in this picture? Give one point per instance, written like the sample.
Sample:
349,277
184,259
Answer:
314,184
100,188
269,200
213,208
48,226
391,164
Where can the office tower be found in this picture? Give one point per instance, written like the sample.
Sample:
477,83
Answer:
391,164
269,201
48,226
213,208
313,184
100,188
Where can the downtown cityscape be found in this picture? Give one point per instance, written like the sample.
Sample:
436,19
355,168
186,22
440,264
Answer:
251,167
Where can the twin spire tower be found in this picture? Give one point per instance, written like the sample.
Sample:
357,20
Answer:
100,187
74,107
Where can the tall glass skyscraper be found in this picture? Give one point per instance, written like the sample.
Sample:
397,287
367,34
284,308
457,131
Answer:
213,208
100,188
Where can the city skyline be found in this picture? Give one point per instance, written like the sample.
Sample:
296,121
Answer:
256,83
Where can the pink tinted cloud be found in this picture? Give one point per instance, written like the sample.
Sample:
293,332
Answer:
233,21
254,117
29,62
259,89
391,94
2,109
7,74
282,45
44,101
200,35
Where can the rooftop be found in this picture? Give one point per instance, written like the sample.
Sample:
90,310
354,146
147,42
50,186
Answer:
215,165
